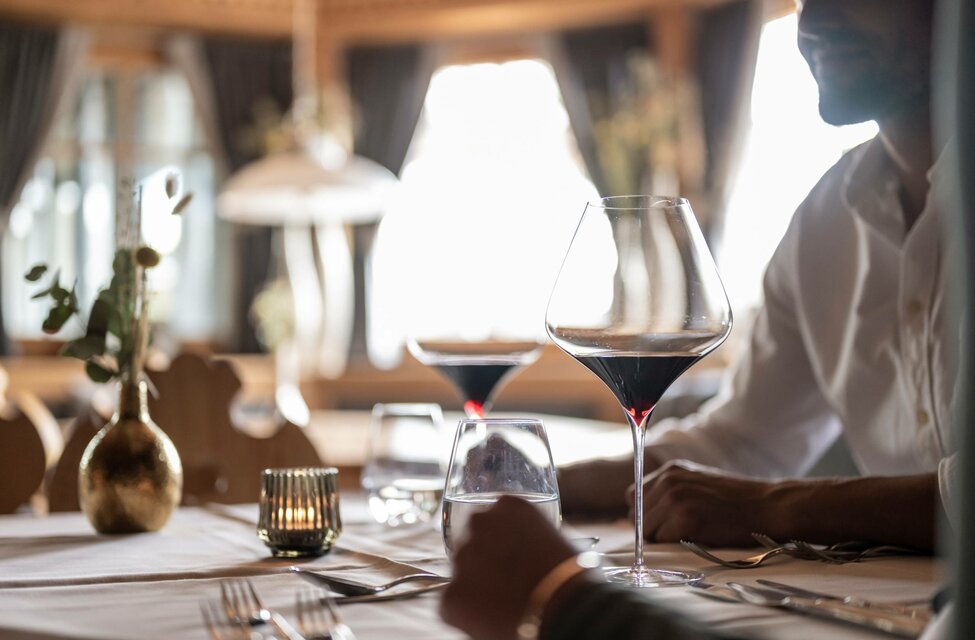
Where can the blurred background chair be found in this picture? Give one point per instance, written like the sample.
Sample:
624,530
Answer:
30,445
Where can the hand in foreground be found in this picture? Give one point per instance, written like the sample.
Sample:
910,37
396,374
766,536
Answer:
685,501
596,488
510,548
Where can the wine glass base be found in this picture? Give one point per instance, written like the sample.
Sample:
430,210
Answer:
646,578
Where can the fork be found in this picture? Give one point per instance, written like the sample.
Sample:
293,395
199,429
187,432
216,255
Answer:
836,555
211,620
744,563
242,606
313,621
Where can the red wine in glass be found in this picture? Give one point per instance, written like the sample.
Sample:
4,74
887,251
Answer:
477,370
638,380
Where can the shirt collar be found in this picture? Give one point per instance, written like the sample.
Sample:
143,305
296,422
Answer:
870,190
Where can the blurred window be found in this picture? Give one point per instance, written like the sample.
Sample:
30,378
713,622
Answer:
493,155
123,123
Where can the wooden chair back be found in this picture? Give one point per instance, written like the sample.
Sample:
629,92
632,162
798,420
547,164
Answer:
30,444
222,460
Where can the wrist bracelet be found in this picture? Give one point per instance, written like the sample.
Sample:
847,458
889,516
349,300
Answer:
542,593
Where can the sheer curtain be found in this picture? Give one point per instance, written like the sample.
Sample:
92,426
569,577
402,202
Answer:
39,68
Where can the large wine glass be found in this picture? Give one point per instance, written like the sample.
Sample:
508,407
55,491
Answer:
638,301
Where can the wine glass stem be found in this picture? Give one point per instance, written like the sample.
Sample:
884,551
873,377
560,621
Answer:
639,437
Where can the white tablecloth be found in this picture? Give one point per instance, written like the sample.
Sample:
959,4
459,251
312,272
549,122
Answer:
58,579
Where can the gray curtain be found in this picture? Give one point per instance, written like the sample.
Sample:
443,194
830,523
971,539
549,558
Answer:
727,48
388,86
39,67
591,66
245,76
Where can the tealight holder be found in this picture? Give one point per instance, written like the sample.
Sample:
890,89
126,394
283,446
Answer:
299,511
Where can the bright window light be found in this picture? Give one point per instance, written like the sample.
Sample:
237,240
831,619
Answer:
494,179
788,149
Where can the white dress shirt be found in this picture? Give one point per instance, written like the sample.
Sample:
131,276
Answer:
850,341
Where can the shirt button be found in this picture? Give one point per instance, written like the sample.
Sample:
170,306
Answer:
914,307
922,417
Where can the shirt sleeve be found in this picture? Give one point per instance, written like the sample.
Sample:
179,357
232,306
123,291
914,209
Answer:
770,419
612,611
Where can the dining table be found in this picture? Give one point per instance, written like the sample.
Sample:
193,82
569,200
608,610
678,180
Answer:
61,579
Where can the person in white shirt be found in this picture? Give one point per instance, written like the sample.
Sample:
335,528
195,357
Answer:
851,341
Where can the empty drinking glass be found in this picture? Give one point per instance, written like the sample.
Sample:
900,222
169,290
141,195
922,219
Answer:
404,470
494,457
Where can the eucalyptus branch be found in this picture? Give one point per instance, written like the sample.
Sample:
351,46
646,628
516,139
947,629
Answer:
115,342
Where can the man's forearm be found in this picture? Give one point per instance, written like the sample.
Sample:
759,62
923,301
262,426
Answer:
896,510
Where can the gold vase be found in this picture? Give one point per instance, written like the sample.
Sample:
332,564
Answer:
130,478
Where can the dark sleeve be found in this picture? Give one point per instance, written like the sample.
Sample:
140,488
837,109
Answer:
604,610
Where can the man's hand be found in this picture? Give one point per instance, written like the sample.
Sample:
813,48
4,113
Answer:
510,548
685,501
682,500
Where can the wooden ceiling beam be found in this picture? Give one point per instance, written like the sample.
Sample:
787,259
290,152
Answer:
404,20
247,17
345,21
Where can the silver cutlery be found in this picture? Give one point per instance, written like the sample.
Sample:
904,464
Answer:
351,588
743,563
892,623
318,618
837,554
216,626
853,601
242,606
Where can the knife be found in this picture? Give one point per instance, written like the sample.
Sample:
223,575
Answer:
852,601
892,623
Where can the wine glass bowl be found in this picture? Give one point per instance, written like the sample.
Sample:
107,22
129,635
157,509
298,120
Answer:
476,369
638,300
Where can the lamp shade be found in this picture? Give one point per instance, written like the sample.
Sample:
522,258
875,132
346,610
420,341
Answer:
294,188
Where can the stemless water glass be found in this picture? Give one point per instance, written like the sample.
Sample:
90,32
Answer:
494,457
406,463
638,301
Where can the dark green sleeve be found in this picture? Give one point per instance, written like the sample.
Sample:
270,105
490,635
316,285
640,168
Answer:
598,611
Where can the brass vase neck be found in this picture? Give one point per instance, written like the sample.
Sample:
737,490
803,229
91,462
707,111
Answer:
133,402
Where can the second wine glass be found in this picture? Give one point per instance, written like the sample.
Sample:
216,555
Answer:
638,301
477,369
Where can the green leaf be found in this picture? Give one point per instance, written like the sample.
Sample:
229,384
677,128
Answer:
98,373
101,311
172,185
182,204
56,318
59,294
36,272
84,348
